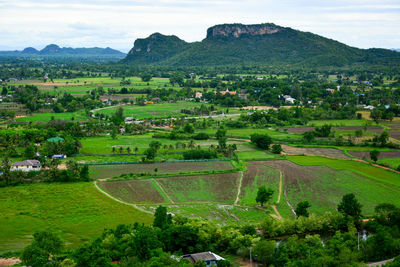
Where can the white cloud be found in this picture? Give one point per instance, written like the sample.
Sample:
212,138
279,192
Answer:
117,23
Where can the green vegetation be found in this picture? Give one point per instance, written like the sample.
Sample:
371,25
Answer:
76,211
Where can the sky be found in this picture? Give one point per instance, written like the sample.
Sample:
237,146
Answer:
117,23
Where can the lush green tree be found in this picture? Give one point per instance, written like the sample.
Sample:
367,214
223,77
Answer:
84,173
277,149
261,140
309,136
114,134
264,195
264,252
156,145
29,152
161,218
146,77
44,246
150,153
221,137
188,128
349,206
301,208
374,155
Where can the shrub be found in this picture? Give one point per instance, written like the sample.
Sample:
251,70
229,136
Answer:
199,154
277,149
201,136
261,140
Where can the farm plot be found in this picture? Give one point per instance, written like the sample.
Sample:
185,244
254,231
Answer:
394,131
258,174
221,188
75,211
314,151
153,111
324,185
382,155
221,214
341,130
134,191
108,171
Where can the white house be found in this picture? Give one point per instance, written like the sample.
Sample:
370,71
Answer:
26,165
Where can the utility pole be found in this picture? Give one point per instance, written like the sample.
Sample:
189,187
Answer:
251,260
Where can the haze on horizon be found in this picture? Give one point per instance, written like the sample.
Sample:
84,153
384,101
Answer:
117,23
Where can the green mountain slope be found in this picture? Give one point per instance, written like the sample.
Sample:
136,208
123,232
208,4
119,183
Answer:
229,44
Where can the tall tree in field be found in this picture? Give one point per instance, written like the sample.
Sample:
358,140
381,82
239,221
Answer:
44,246
349,206
161,218
264,195
374,154
301,209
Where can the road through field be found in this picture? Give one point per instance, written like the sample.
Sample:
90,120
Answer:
239,188
162,190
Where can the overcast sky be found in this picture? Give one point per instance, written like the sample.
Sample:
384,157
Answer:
117,23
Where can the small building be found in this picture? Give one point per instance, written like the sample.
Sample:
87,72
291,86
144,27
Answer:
289,99
26,165
330,90
129,120
59,156
208,257
226,92
156,99
199,95
56,139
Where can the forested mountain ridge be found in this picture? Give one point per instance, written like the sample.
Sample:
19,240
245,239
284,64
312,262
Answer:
54,51
268,43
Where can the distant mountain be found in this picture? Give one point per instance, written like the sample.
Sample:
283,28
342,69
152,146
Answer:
54,51
230,44
396,49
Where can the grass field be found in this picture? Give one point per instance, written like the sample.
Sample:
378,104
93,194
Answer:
77,211
152,111
104,144
46,117
107,171
324,181
247,132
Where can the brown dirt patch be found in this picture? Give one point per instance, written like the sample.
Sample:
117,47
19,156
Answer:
108,171
382,155
9,262
133,191
299,130
314,151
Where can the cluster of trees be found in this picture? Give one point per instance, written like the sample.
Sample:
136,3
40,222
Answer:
140,245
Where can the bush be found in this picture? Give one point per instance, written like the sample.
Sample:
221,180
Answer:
201,136
277,149
261,140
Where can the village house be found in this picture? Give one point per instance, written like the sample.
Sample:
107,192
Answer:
227,92
26,165
289,99
209,258
199,95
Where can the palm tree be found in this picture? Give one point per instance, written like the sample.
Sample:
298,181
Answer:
113,149
120,150
136,150
128,149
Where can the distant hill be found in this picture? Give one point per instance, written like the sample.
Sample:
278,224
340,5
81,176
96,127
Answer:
54,51
229,44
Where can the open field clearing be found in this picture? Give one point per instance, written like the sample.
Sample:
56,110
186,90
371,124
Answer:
393,163
323,181
134,191
105,144
323,186
152,111
258,174
46,117
108,171
343,130
77,211
382,155
314,151
221,188
339,123
247,132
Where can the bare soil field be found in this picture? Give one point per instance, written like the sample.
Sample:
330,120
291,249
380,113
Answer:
9,262
108,171
382,155
134,191
312,151
301,130
394,129
220,188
